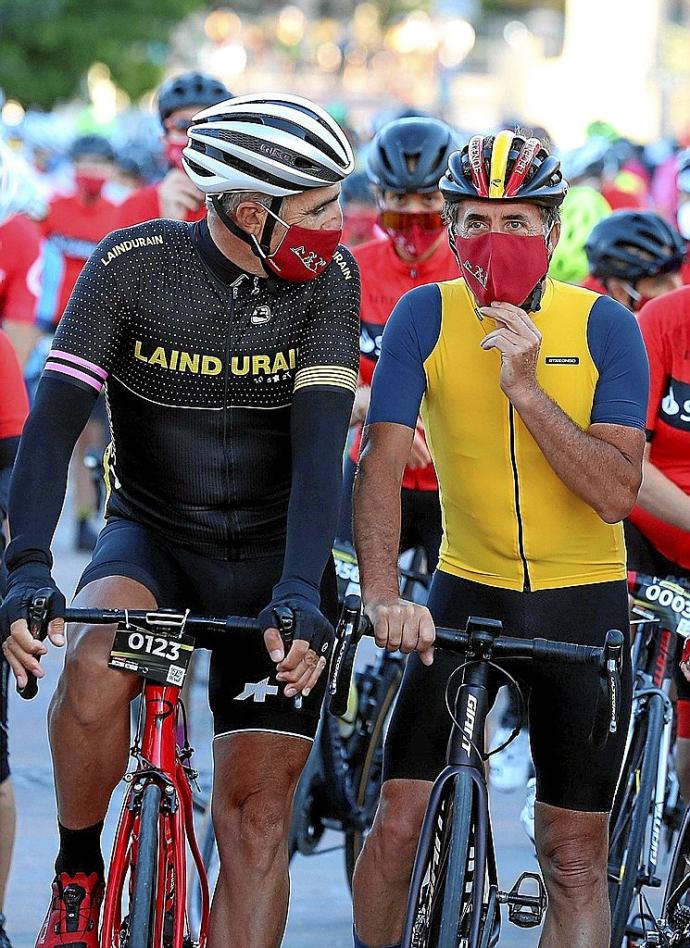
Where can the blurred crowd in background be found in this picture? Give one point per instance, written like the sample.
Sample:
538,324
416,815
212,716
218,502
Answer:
89,145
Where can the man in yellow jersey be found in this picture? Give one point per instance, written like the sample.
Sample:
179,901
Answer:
533,394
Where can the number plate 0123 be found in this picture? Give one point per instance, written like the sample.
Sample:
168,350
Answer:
156,657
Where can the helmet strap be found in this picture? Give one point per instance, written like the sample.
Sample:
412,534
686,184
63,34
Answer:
259,247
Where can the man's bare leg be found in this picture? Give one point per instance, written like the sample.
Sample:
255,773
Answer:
255,776
88,720
8,822
382,874
572,848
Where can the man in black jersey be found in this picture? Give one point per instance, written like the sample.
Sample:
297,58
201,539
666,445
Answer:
229,353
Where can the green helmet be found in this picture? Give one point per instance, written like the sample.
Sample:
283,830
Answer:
581,210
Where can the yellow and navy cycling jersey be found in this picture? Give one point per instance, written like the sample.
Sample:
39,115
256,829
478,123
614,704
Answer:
508,519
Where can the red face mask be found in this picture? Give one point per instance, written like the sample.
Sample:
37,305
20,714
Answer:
90,185
173,153
502,267
303,253
412,234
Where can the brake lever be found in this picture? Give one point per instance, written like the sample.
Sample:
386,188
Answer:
286,626
347,635
38,627
612,660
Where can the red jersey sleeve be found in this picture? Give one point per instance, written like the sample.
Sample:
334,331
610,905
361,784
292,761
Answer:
22,268
656,341
14,404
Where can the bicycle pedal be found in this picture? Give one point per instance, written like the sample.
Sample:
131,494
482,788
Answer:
524,909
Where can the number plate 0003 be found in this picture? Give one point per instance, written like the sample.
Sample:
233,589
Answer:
156,657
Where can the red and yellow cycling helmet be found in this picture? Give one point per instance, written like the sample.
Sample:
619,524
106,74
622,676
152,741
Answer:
504,167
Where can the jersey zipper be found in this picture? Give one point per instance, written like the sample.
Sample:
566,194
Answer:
226,411
518,512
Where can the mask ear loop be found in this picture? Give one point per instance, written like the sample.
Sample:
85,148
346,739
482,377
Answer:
272,218
634,295
533,304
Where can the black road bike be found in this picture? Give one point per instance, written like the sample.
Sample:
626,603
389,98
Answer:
646,810
454,898
341,782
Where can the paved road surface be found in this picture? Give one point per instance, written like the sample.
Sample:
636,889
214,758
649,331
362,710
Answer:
320,911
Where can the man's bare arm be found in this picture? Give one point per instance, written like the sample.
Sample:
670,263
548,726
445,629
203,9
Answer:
376,502
376,506
602,465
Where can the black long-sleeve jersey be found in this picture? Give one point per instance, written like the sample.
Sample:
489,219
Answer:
200,363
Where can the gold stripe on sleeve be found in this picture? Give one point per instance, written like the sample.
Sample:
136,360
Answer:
336,375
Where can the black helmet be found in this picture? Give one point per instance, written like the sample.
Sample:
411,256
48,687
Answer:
632,245
410,154
92,146
357,187
196,89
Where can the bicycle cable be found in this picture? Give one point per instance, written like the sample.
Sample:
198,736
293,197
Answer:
521,704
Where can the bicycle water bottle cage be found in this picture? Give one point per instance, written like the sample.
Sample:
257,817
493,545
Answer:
524,909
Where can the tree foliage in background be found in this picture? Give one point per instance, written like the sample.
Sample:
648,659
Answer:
47,46
520,6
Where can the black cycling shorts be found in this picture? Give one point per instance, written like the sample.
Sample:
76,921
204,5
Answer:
571,773
644,558
243,691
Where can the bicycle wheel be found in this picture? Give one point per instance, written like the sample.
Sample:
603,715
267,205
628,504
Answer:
632,809
440,913
676,905
306,827
367,772
145,871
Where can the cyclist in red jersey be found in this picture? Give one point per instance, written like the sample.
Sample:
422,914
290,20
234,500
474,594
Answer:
405,162
14,408
73,227
175,197
20,262
75,224
637,258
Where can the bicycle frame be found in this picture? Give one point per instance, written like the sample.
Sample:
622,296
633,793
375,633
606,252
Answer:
158,760
465,750
654,656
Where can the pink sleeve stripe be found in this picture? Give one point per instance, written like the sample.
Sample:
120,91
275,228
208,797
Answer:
96,369
75,373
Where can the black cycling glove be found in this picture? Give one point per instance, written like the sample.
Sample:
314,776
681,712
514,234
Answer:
22,585
309,624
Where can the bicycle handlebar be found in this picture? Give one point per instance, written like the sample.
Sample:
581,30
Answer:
481,640
153,619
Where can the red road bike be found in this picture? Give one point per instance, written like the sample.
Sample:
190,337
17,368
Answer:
145,903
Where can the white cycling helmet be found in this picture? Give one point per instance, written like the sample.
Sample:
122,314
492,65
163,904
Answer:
273,143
